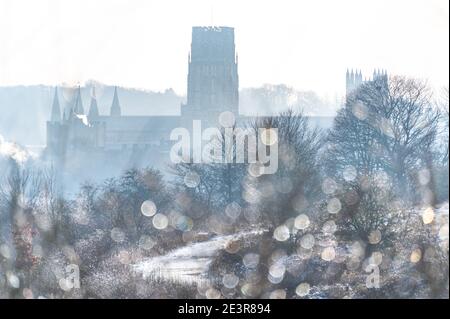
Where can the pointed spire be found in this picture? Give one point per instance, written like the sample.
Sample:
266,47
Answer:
78,104
56,110
67,112
93,108
115,107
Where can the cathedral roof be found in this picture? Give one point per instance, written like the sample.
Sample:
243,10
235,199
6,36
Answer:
140,123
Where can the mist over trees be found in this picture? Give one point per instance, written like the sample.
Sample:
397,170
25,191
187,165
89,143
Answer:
29,107
359,211
270,100
388,133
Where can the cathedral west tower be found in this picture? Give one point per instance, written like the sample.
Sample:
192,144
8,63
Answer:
213,82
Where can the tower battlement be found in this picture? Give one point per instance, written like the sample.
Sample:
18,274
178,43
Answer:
213,44
354,79
213,82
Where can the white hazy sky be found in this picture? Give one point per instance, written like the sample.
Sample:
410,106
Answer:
145,44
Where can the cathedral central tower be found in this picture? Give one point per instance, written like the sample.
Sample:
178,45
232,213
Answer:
213,83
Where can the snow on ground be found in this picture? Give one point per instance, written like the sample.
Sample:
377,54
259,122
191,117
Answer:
189,264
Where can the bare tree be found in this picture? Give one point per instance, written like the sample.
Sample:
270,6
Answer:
389,126
121,199
443,107
297,177
19,191
380,141
218,184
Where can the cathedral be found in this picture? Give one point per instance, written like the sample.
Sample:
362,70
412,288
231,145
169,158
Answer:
122,141
213,87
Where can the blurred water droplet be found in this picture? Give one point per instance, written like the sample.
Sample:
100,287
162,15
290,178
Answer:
278,294
328,254
227,119
334,206
230,281
251,260
302,290
374,237
416,255
148,208
191,179
160,221
301,222
349,173
281,233
428,215
307,241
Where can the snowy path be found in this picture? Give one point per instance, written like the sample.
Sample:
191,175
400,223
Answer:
189,264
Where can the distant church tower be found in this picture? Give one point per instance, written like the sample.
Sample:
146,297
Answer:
213,82
353,80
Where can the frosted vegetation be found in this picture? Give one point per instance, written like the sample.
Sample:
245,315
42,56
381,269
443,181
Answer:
359,211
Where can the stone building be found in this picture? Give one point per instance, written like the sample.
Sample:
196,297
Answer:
213,87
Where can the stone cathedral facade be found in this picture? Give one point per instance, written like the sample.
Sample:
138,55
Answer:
79,137
213,87
213,81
